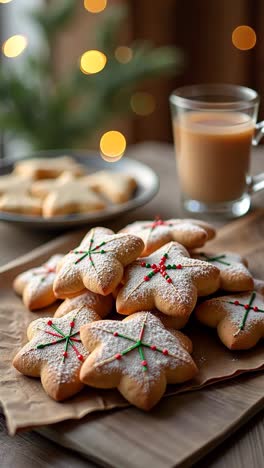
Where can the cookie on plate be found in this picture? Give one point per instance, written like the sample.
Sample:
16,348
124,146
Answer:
189,232
41,188
138,356
116,186
238,318
55,353
70,196
234,274
14,183
45,168
97,263
102,305
168,280
36,285
20,203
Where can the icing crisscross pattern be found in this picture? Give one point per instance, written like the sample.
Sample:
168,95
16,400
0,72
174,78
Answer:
140,347
98,258
168,276
56,342
244,311
38,280
158,232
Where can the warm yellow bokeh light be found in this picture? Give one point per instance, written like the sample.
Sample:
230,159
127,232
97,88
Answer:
14,46
112,146
5,1
95,6
92,61
244,37
123,54
142,103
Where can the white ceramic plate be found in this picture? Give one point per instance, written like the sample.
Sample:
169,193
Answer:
147,187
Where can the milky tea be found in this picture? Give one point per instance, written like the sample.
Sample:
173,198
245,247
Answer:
213,154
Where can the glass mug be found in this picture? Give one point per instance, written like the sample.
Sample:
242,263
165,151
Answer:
214,128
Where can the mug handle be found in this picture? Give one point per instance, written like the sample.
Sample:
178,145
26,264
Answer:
256,183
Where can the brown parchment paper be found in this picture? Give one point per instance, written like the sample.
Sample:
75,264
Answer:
25,403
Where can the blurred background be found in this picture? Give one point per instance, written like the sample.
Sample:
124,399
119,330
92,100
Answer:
55,93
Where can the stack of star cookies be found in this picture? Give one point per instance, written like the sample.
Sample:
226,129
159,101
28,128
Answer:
153,273
60,186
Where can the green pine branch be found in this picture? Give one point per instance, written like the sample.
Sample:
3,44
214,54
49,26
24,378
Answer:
62,114
53,17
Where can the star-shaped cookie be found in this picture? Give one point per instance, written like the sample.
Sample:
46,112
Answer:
41,188
238,318
188,232
22,203
55,352
234,275
116,186
70,196
44,168
97,263
138,356
36,285
168,280
14,183
102,305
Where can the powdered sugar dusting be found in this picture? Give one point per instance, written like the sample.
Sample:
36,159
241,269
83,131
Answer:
60,371
225,261
236,312
98,259
158,232
41,278
173,295
145,365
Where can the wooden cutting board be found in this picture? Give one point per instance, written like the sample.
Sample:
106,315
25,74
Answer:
183,428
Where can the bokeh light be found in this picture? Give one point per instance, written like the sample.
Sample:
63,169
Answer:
244,37
123,54
142,103
14,46
112,146
95,6
92,61
5,1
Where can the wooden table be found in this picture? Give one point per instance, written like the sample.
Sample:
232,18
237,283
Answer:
244,449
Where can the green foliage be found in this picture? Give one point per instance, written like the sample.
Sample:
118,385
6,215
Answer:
63,113
55,17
